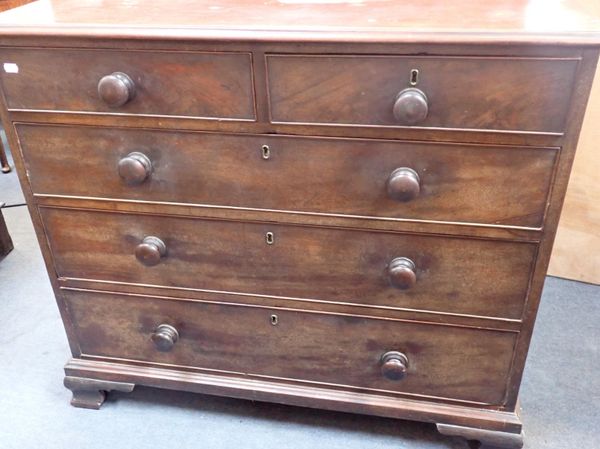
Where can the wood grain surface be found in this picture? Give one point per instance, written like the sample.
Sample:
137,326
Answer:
210,85
496,185
453,274
322,348
201,290
471,93
427,21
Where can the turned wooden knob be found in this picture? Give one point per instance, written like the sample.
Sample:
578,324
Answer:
150,251
116,89
411,106
394,365
403,184
134,168
165,337
402,273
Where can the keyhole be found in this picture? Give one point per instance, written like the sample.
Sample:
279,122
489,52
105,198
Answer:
414,77
270,238
274,320
266,152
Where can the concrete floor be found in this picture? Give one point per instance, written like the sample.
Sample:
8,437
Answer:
560,395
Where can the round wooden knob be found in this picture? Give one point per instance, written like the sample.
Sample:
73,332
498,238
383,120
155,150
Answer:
394,365
116,89
165,337
403,184
411,106
402,273
150,251
134,168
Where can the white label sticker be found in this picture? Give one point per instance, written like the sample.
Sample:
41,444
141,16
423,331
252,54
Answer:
11,67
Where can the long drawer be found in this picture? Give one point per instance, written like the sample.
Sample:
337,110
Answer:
190,84
333,265
344,351
483,93
457,183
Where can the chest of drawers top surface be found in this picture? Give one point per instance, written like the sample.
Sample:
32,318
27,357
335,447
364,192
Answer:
348,205
430,21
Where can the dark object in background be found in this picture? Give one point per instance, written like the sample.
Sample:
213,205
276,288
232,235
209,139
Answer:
6,244
3,160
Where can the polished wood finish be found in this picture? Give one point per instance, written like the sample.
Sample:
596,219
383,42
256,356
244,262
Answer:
394,365
402,273
291,393
320,264
358,177
404,184
474,93
165,337
322,229
150,251
568,22
300,348
90,393
192,84
410,107
134,168
116,89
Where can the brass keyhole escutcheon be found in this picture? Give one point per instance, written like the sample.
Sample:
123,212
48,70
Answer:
270,238
266,152
414,77
274,320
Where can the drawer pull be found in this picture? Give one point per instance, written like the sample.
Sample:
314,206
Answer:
403,184
165,337
402,273
394,365
134,168
411,106
150,251
116,89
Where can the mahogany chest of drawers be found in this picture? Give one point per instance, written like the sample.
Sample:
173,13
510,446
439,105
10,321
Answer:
344,205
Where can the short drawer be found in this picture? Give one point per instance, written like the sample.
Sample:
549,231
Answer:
351,177
349,352
187,84
380,269
482,93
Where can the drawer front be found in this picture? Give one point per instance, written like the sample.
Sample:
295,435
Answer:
507,94
333,265
458,183
442,361
210,85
